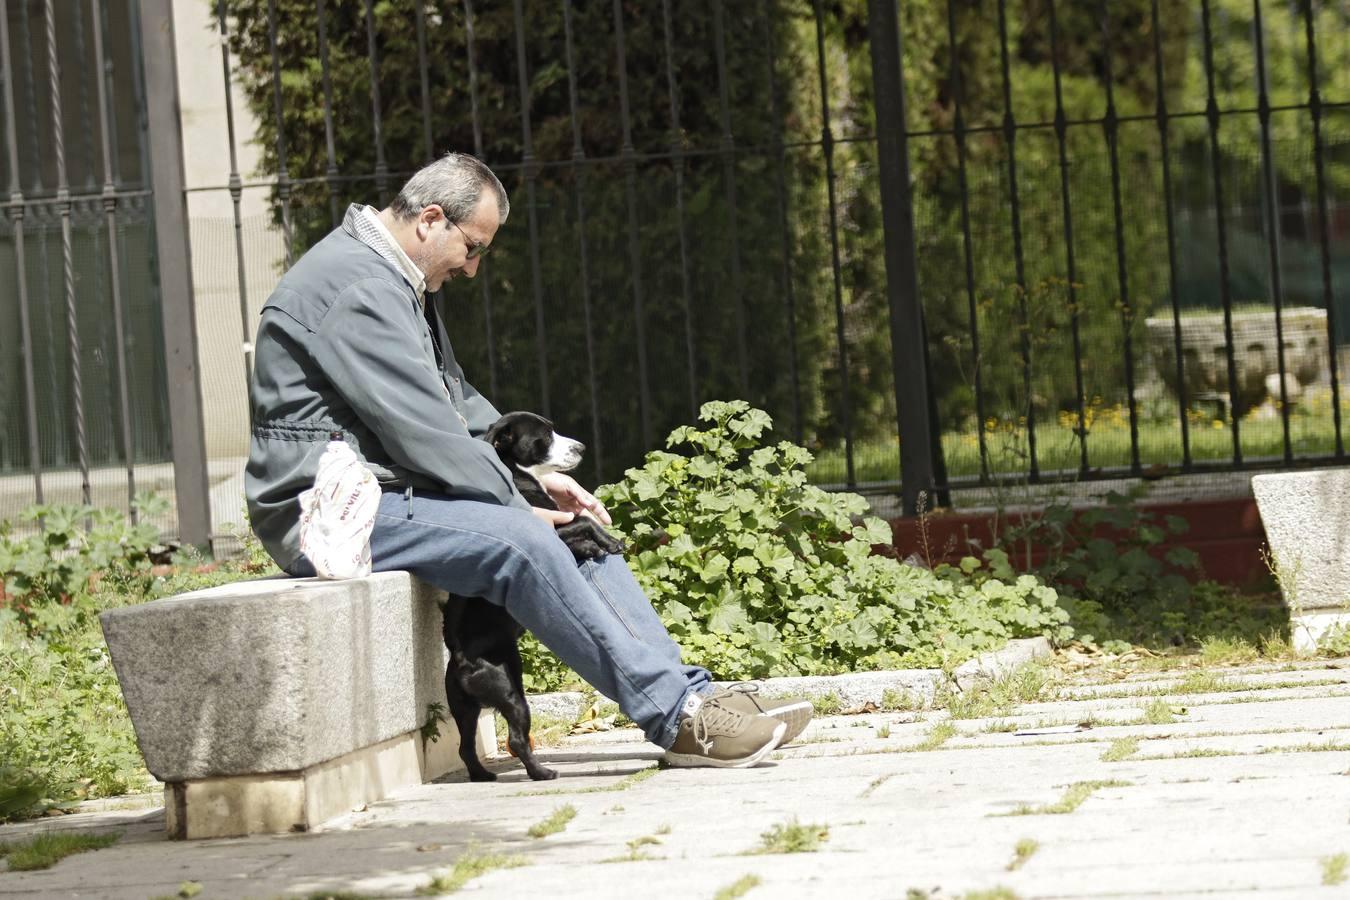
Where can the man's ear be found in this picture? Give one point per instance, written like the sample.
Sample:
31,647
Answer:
428,218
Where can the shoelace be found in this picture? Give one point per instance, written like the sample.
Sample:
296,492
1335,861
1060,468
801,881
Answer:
712,719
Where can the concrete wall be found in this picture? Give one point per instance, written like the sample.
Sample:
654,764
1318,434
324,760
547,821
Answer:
206,157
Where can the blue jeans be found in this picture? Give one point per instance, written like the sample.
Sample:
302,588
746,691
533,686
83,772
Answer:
593,615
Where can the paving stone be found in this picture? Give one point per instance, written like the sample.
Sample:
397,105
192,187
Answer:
1230,826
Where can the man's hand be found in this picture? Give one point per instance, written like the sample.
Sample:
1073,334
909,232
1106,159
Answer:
573,498
553,517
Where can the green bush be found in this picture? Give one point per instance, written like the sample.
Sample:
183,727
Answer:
1122,578
64,730
757,573
67,553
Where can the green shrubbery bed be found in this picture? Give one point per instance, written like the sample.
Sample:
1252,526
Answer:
64,730
758,573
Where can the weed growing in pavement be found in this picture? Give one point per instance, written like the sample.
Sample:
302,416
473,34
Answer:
899,701
827,704
1330,746
998,893
738,888
1334,868
555,823
1209,683
1218,651
635,852
997,696
884,731
1122,748
1201,683
1157,712
1276,645
791,837
1195,753
1072,799
467,868
876,783
1023,851
46,850
938,735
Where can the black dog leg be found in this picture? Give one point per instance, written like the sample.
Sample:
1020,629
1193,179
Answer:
489,683
465,710
518,723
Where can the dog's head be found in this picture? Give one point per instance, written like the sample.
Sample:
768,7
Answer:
529,442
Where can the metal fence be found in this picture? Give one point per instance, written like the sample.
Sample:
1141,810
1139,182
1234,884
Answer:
83,409
970,241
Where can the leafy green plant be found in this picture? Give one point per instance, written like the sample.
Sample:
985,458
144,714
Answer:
756,572
64,731
1336,642
64,553
1123,580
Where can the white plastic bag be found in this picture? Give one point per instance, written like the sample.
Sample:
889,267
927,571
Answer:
338,514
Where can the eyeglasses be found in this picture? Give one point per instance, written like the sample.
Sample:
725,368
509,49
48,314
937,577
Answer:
475,249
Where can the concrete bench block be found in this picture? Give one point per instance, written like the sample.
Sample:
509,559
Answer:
271,705
1307,520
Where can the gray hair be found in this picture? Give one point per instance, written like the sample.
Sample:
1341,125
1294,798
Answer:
455,182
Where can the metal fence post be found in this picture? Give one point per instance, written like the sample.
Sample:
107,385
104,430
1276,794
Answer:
177,307
908,357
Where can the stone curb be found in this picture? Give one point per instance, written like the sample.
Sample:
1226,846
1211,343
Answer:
916,687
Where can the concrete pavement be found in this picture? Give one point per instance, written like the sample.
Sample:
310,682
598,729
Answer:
1246,793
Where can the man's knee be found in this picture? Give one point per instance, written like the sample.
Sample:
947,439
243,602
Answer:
531,535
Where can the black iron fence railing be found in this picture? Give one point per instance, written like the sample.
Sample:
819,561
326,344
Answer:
945,243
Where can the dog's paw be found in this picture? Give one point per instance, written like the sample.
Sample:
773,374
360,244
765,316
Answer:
484,775
542,774
584,550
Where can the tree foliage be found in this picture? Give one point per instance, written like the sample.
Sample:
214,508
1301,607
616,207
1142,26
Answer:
726,253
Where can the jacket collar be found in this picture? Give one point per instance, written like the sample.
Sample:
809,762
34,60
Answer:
361,222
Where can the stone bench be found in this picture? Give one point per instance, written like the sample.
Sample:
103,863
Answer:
276,704
1307,520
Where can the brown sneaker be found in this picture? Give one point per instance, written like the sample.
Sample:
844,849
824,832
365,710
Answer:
796,712
712,734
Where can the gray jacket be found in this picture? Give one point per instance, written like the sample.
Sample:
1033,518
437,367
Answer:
343,346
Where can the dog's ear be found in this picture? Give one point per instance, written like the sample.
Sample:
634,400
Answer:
501,434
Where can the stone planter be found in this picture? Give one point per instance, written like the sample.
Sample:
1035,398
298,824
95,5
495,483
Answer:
1254,353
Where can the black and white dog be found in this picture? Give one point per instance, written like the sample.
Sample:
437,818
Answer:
485,667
